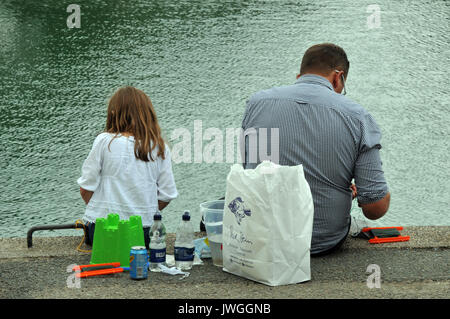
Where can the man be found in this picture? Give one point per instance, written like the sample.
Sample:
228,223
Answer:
335,139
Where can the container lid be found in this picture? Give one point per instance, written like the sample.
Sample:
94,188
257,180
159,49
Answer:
186,215
138,248
157,216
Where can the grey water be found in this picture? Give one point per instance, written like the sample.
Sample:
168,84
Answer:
201,60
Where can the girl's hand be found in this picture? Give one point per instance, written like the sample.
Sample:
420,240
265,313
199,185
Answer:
162,205
86,195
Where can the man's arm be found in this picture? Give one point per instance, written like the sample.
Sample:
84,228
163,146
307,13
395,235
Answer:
373,193
377,209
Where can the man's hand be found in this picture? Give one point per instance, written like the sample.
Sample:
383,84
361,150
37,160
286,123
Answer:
354,191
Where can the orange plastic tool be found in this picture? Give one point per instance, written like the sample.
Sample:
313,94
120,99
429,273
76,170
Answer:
100,272
378,240
106,265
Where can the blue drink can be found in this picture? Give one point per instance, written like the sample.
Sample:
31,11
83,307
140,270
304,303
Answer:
138,262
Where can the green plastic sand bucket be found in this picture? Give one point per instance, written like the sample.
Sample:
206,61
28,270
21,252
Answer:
113,239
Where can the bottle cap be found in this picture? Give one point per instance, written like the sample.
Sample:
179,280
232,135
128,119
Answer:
186,215
157,216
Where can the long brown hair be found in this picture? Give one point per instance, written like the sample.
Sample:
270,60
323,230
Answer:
131,111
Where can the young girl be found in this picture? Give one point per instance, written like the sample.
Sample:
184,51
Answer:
128,170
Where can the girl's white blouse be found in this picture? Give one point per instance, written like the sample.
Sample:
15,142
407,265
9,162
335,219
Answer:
123,184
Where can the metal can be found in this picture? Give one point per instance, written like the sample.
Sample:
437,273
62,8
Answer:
138,262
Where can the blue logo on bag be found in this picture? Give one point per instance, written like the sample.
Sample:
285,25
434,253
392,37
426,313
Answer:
239,210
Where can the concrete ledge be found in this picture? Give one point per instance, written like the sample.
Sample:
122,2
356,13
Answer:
418,268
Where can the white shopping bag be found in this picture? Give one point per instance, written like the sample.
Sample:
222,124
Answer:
267,224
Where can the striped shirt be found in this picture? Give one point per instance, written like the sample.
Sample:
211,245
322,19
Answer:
335,139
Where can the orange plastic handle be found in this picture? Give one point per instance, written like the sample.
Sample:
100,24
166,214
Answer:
377,240
100,272
111,265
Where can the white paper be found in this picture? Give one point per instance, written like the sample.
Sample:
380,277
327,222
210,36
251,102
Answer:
173,271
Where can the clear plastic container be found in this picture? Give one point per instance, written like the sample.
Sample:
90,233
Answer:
184,244
213,219
157,245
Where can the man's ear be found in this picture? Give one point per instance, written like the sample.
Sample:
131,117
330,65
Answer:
298,75
335,81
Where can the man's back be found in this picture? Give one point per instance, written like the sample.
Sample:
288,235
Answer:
334,139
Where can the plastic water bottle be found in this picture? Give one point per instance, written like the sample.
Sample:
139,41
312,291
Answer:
184,243
157,245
